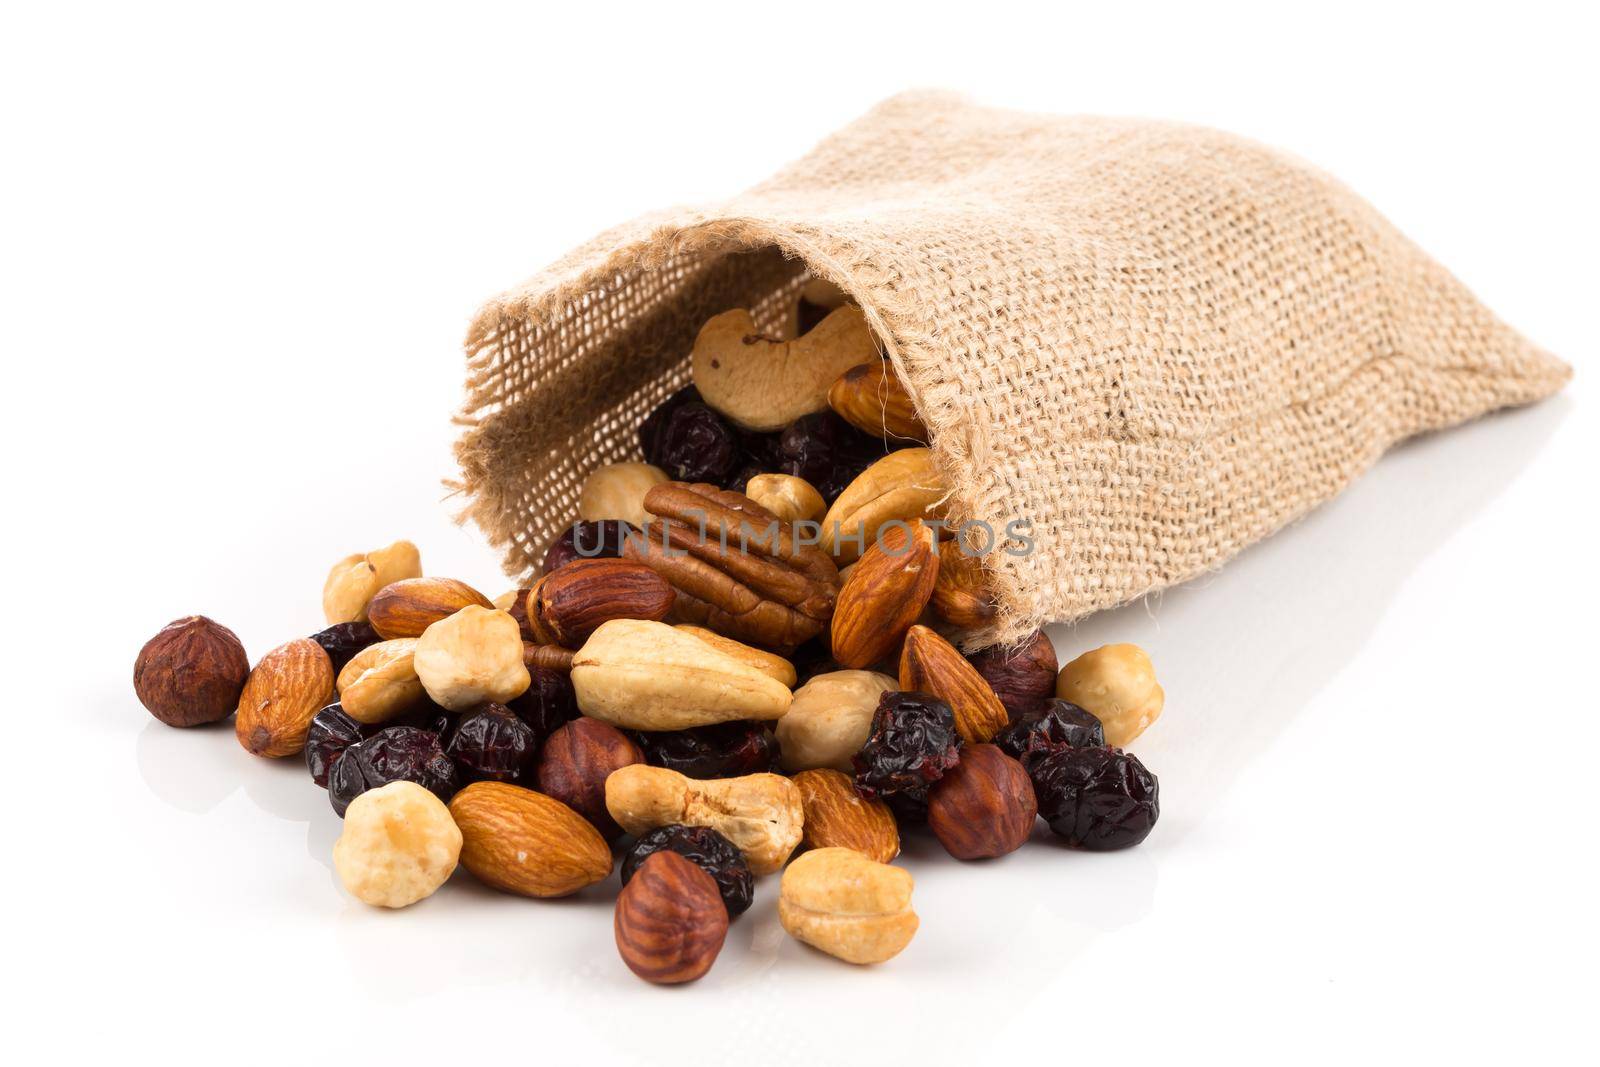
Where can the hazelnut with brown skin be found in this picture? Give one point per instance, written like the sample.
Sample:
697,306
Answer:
1023,676
575,763
191,673
670,920
984,806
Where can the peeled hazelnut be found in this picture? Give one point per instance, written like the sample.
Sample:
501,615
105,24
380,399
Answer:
670,920
471,657
356,579
574,765
191,673
830,719
984,806
616,491
406,608
282,695
1022,676
398,845
380,682
1117,685
571,603
851,907
792,499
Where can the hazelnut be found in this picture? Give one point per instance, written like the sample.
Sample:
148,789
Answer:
471,657
792,499
399,844
829,719
670,920
984,806
191,673
1117,685
1022,676
574,765
356,579
616,491
380,682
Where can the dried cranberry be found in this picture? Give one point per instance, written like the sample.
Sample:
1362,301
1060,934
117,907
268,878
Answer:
342,641
715,855
697,445
726,750
601,539
913,742
1055,724
652,429
548,702
332,731
430,717
490,744
1097,798
396,754
827,451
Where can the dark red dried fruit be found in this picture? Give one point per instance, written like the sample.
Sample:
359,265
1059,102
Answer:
1096,798
548,702
812,658
725,750
343,640
697,445
708,849
1054,724
653,428
490,744
331,732
395,754
913,742
599,539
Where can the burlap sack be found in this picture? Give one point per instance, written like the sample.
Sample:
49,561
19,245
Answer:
1157,343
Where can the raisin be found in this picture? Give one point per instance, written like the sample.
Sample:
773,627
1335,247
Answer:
398,753
1054,724
697,445
342,641
652,429
1097,798
812,658
548,702
601,539
490,744
913,742
827,451
725,750
332,731
715,855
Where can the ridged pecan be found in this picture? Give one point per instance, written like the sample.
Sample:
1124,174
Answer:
737,568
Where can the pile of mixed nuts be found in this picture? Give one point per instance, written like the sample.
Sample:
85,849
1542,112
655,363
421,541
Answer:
742,648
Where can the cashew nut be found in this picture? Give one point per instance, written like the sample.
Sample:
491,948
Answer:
761,814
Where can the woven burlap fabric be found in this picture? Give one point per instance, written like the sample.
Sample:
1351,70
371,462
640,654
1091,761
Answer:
1156,343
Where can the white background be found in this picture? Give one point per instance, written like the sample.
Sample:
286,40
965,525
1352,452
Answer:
240,249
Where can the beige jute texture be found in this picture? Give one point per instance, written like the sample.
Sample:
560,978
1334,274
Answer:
1156,343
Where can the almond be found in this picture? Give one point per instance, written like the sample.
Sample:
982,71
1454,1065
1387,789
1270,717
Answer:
884,595
872,398
961,595
287,688
930,664
837,816
519,841
406,608
572,602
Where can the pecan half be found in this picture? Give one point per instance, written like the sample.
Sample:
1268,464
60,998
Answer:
737,568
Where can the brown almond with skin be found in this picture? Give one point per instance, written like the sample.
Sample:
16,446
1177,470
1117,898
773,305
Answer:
573,602
284,691
520,841
670,920
961,595
884,595
836,816
408,607
575,762
984,806
930,664
1023,676
872,398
